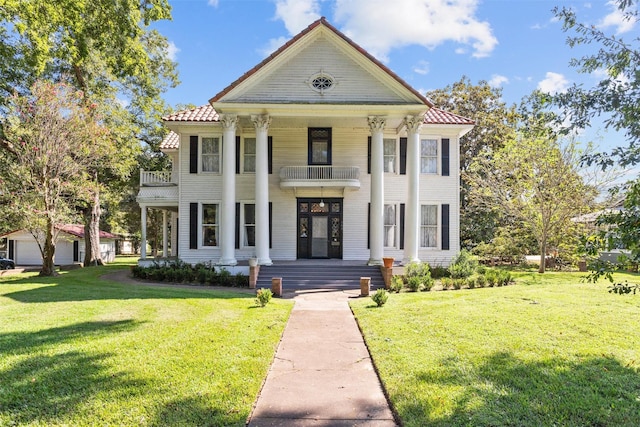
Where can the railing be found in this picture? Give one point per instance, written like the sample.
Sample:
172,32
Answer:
320,173
157,178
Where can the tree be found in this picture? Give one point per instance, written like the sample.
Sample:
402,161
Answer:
106,49
617,97
49,138
536,182
495,123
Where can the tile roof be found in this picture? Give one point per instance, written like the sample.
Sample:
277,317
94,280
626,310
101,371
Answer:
436,116
170,142
321,21
204,113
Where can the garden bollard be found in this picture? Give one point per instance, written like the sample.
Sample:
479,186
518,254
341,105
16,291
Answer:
365,286
276,286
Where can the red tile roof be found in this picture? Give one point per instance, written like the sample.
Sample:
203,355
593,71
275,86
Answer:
321,21
204,113
436,116
170,142
77,230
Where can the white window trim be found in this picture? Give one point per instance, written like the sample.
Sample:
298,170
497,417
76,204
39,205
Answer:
396,231
242,140
438,140
201,225
200,156
396,156
243,229
437,226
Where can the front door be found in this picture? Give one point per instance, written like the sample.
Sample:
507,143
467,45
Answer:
319,228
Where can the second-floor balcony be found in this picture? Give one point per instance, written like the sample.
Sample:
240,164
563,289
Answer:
157,179
320,176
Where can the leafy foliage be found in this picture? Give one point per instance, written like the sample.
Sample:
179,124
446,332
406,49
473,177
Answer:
263,296
463,265
380,297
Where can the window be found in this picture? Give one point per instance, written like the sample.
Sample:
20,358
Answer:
429,226
389,155
211,154
249,155
249,225
429,156
390,221
209,225
319,146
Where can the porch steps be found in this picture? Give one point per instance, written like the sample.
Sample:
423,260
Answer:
322,276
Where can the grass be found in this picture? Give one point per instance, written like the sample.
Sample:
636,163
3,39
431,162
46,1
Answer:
547,351
79,350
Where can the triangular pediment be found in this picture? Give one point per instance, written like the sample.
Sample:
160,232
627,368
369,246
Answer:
320,66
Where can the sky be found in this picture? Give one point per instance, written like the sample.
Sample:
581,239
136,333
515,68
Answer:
516,45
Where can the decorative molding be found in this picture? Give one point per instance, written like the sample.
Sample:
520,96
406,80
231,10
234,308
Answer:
229,121
322,82
377,123
261,122
413,124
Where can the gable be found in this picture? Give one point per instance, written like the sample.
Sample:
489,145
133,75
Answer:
320,50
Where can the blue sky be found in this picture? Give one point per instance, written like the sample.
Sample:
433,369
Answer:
513,44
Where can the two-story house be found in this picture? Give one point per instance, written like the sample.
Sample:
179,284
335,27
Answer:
319,151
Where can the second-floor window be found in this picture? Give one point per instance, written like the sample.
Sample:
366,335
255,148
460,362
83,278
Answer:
389,155
249,155
210,154
320,146
429,156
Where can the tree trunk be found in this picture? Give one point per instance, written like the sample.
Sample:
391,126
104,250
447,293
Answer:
92,255
48,252
543,256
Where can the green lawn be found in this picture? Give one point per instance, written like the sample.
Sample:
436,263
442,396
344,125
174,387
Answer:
78,350
547,351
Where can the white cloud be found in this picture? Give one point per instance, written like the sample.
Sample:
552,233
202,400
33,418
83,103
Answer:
616,19
379,26
213,3
553,83
172,51
272,46
497,80
421,67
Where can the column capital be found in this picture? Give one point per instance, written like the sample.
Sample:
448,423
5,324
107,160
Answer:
376,123
229,121
413,123
261,121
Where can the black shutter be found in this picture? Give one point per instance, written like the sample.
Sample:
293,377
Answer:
237,225
270,153
403,156
270,225
193,154
76,251
401,225
193,226
445,227
12,251
369,226
445,156
369,155
237,154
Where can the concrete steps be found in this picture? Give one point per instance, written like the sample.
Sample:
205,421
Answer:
322,276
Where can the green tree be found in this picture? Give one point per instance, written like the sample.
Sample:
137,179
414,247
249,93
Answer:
49,139
495,124
106,49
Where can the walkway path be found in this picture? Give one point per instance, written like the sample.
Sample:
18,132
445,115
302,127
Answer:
322,374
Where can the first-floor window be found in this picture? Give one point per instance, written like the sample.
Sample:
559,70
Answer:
390,226
249,225
209,225
429,226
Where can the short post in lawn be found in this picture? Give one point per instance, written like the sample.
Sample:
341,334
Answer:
254,270
276,286
365,286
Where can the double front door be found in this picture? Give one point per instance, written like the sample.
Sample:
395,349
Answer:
319,228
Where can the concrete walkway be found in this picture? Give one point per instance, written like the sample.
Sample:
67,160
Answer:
322,374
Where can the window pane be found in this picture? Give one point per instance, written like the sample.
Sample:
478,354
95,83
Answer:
429,156
320,152
210,154
428,226
389,155
209,236
249,163
249,146
249,213
389,214
209,214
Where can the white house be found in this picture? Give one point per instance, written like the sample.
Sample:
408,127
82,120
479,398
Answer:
319,151
23,248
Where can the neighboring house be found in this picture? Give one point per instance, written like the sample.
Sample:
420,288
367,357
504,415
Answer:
590,223
23,248
319,151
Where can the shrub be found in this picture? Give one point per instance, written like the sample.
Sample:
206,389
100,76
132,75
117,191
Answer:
224,278
380,297
397,283
418,276
439,272
481,281
471,282
504,278
263,296
459,282
464,265
447,283
241,281
414,283
492,277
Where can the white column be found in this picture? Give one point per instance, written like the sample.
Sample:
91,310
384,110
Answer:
165,232
376,219
412,215
143,232
262,123
174,234
228,209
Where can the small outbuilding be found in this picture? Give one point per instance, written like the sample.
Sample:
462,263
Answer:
22,247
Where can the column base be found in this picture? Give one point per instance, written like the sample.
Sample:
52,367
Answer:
228,261
265,261
373,262
406,261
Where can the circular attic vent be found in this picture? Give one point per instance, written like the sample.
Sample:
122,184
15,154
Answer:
321,82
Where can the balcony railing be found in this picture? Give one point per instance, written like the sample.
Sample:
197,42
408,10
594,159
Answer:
326,176
157,178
